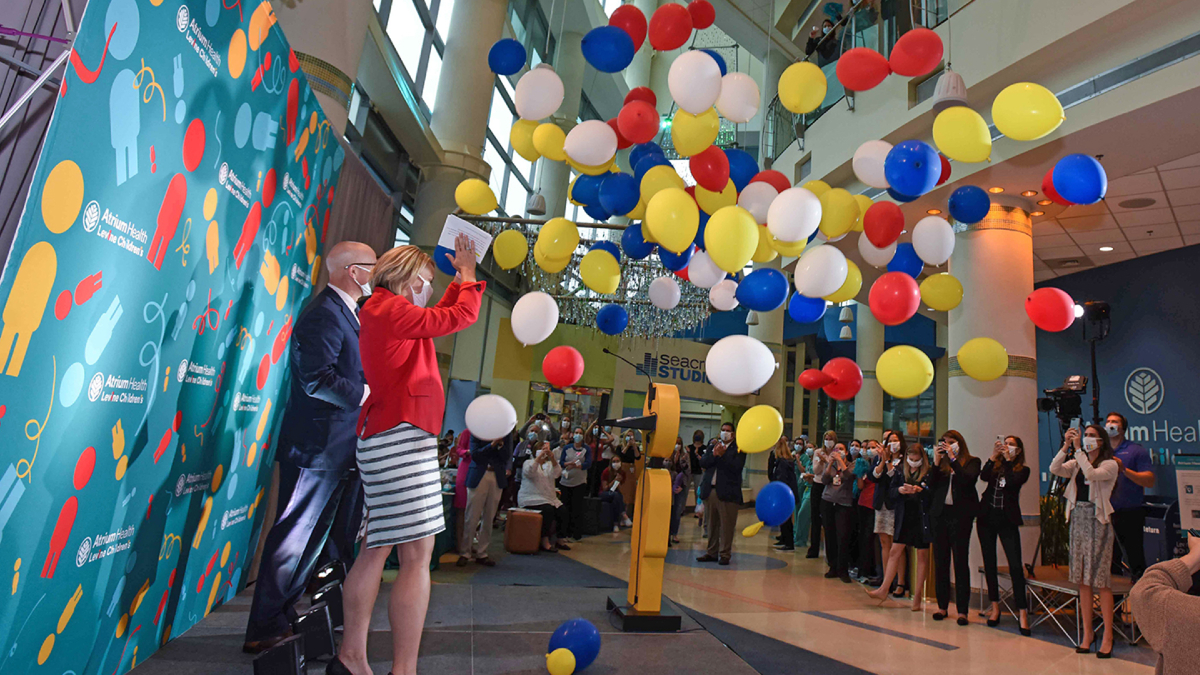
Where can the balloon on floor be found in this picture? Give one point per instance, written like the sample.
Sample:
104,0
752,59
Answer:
580,638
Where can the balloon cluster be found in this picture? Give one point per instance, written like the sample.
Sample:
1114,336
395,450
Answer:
574,645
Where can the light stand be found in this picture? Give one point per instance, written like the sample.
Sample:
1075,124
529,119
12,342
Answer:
1096,313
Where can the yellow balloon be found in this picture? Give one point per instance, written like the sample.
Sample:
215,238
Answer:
962,135
521,138
550,265
639,211
600,271
751,530
850,288
672,219
904,371
657,179
1026,111
561,661
557,239
792,249
711,202
941,292
571,192
817,187
759,429
591,170
509,249
839,210
475,197
802,87
983,359
864,203
763,252
692,134
548,140
731,238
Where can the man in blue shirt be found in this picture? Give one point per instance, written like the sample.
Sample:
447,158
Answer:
1134,476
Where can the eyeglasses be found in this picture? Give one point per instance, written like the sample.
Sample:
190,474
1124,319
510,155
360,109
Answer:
366,266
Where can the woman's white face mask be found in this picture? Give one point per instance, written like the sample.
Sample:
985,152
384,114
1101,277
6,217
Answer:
423,292
914,463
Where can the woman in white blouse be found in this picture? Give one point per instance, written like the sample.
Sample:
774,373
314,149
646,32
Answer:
537,492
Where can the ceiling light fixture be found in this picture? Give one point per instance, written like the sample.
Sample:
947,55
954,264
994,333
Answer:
1044,202
934,212
1105,249
996,190
1035,214
1029,193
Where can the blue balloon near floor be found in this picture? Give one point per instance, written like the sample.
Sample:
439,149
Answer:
804,309
646,163
637,152
607,246
675,261
609,49
969,204
1080,179
597,212
742,167
634,245
579,637
442,262
587,189
763,290
912,168
506,57
774,503
699,240
906,260
612,319
716,57
619,193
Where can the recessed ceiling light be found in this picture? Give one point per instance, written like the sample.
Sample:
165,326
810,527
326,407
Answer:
934,212
1044,202
995,190
1035,214
1029,193
1105,249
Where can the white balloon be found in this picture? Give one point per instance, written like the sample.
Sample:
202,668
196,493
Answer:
739,99
703,272
739,364
794,215
534,317
757,199
490,417
694,81
664,293
868,163
821,271
876,257
538,94
723,295
591,143
933,240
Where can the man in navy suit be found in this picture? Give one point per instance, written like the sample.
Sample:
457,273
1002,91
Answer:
320,495
721,491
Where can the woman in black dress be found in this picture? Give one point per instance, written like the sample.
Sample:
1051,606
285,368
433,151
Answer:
1000,517
910,492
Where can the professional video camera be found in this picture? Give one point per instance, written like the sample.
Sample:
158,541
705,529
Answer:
1065,402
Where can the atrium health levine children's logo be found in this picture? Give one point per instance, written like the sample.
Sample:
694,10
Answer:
1144,391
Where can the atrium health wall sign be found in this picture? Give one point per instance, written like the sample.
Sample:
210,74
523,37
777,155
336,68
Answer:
174,224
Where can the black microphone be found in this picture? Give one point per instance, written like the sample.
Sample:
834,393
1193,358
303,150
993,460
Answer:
635,366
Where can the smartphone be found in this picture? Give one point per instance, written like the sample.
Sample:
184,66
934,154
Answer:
1076,423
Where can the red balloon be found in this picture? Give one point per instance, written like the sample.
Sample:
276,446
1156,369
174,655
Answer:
691,190
861,69
1050,309
670,27
682,273
622,141
894,298
638,121
814,379
1050,192
84,467
631,20
847,378
641,93
710,168
916,53
945,170
882,223
775,179
703,14
563,366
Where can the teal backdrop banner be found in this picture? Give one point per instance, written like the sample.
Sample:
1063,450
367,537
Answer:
173,228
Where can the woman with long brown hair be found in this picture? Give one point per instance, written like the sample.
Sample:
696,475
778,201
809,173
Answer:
952,510
680,466
910,493
785,472
1000,517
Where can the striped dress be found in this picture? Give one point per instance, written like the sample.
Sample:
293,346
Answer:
401,481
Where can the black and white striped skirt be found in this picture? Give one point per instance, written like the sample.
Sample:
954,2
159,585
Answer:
401,481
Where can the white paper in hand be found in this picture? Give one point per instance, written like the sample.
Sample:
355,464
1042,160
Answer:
455,226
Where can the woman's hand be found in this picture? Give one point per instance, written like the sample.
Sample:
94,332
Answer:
463,259
998,450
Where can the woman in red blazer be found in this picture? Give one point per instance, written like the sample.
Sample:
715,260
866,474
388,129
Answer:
397,447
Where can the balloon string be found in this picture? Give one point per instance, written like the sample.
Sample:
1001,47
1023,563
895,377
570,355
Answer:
550,30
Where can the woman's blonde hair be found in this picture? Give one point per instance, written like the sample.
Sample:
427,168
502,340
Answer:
783,450
398,266
916,475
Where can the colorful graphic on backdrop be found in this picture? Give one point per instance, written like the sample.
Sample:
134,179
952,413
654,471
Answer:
171,234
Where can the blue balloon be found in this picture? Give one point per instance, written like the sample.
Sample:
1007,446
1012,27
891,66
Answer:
1080,179
506,57
637,152
579,637
716,57
969,204
597,212
675,261
612,319
442,262
804,309
587,189
742,167
609,49
903,199
607,246
763,290
619,193
648,162
912,167
699,240
633,244
774,503
906,260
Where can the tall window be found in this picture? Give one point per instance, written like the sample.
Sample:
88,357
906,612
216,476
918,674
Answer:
418,29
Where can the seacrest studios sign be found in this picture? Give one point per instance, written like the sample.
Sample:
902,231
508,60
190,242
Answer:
674,368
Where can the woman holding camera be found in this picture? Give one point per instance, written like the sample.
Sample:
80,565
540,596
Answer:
1000,517
839,505
952,514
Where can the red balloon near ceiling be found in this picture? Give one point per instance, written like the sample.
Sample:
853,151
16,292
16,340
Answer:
861,69
710,168
894,298
622,141
638,122
641,94
670,27
882,223
775,179
945,170
563,366
1050,192
916,53
847,378
703,14
631,20
814,379
1050,309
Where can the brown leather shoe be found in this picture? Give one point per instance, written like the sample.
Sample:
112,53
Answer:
260,646
486,561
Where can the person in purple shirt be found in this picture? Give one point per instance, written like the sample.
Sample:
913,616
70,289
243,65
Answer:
1135,474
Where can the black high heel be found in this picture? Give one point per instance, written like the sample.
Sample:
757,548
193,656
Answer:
1104,655
900,591
336,667
1025,631
992,623
1084,650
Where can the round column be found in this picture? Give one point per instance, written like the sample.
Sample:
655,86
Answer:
868,402
553,178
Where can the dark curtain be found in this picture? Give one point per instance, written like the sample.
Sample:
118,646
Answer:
362,211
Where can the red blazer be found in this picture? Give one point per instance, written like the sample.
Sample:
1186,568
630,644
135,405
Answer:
398,358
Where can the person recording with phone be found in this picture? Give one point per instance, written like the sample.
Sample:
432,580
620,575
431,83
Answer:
952,514
910,493
816,479
1000,517
839,518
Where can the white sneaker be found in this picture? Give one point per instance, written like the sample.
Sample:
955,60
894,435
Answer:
616,529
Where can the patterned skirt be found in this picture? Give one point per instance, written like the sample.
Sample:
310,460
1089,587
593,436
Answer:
1091,547
885,522
402,485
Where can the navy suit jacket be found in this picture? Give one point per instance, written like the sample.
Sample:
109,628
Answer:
327,387
728,468
494,455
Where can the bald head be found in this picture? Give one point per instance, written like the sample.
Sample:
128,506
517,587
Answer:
349,264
